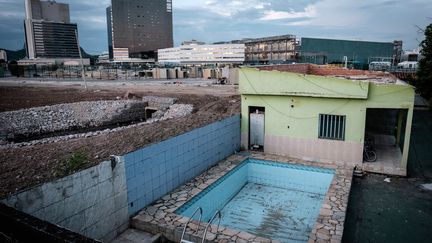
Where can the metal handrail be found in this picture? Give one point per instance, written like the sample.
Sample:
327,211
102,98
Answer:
190,219
219,215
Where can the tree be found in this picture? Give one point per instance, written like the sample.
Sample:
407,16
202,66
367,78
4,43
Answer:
424,73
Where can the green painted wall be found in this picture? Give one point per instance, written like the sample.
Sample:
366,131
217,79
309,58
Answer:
302,118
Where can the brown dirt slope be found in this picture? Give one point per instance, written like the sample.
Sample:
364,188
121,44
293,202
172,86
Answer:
21,168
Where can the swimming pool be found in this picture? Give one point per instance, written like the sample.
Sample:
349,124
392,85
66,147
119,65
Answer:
266,198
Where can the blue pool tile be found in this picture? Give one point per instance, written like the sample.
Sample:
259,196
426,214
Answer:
129,159
155,170
130,171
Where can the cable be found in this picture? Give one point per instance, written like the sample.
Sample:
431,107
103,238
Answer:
333,91
285,114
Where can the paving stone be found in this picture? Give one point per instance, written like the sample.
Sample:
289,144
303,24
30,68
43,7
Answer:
151,210
230,232
326,212
240,240
321,236
245,235
326,206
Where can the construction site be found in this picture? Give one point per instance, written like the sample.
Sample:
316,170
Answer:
130,160
96,121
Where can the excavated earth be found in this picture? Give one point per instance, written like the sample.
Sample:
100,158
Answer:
23,167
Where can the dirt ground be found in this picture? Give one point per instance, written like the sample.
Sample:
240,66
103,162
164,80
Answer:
24,167
14,98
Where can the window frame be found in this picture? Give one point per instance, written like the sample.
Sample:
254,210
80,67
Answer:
332,130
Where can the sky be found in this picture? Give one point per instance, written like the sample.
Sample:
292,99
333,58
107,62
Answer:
224,20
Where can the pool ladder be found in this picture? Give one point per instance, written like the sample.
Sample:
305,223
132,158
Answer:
217,215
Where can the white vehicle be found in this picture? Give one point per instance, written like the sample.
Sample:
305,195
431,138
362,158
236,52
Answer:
408,65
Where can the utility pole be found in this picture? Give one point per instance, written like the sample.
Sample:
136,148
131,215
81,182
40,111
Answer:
81,60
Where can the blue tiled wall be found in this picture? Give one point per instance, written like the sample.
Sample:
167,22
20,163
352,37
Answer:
153,171
217,195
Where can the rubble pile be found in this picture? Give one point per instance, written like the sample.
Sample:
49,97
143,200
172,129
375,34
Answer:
64,117
173,111
161,103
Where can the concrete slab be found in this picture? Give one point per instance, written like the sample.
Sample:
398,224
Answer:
134,236
399,211
395,212
388,157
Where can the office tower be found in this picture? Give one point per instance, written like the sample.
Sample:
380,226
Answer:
138,28
49,33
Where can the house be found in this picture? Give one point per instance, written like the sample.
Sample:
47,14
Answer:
325,114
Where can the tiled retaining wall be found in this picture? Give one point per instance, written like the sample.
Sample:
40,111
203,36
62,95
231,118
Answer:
155,170
98,201
92,202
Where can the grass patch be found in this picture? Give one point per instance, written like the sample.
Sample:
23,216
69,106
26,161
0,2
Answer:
75,162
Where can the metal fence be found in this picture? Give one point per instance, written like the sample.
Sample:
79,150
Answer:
75,72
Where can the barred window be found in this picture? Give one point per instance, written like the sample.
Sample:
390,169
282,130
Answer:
331,127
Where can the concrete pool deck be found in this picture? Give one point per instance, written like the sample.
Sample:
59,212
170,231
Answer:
160,217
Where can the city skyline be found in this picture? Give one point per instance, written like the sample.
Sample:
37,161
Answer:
213,21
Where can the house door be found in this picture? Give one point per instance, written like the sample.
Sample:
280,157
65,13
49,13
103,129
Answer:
256,128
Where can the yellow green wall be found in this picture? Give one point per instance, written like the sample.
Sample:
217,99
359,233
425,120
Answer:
293,102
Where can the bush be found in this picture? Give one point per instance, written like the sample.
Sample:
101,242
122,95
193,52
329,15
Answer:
424,73
74,163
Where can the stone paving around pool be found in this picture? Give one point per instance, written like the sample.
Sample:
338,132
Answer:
160,216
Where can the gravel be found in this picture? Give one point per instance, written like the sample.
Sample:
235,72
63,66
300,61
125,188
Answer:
159,102
64,117
174,111
178,110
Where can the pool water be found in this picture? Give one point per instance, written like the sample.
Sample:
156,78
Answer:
274,200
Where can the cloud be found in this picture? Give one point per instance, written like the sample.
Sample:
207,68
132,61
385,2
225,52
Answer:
298,23
231,8
224,20
222,8
308,12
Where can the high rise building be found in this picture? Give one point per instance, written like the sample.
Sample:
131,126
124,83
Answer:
49,33
139,28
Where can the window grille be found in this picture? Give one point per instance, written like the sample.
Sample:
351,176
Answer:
331,127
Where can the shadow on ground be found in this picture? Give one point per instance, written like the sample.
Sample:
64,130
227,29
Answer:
399,211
